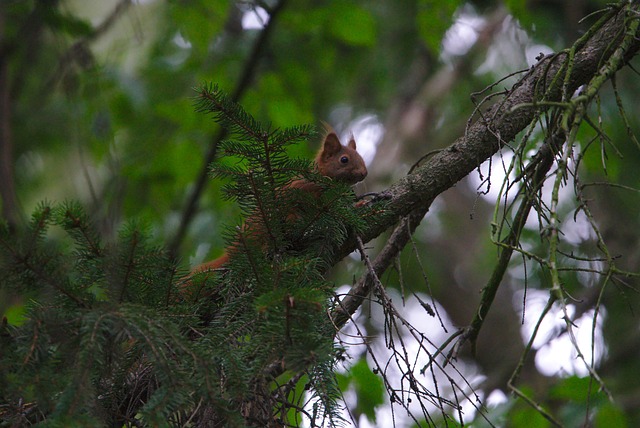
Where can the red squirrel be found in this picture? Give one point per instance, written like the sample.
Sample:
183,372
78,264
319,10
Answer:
338,162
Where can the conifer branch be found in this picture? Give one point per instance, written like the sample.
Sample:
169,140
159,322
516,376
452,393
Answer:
229,114
129,266
248,72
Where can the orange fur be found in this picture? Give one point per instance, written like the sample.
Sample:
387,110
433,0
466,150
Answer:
334,160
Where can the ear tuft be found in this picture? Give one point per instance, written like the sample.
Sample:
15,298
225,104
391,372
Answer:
352,142
331,145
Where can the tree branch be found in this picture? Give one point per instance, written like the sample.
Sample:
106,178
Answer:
191,207
541,164
80,52
544,83
398,240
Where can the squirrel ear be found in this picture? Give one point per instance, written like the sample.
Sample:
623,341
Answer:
331,144
352,142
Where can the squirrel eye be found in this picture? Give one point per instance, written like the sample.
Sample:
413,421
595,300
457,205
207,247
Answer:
344,159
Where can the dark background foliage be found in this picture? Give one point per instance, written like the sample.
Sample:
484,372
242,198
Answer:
96,106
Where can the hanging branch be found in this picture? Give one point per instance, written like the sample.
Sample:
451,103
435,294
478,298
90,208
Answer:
534,93
542,164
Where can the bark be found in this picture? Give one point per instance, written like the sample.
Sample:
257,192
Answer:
543,84
501,123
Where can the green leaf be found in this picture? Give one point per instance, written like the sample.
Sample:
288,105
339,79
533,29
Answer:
434,19
369,389
283,106
518,8
344,380
67,23
201,22
572,388
294,418
16,315
528,417
610,415
351,24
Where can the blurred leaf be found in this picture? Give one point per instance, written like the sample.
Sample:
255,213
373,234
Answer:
572,388
434,19
352,24
344,380
181,113
279,100
528,417
369,389
200,22
518,8
66,23
610,415
16,315
495,415
294,418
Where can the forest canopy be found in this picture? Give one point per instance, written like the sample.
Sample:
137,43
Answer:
484,273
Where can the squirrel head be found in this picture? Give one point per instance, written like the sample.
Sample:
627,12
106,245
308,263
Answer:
342,163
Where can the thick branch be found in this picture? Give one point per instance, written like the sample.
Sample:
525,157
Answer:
502,122
398,240
545,82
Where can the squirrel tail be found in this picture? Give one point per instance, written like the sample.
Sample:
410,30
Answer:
211,265
188,288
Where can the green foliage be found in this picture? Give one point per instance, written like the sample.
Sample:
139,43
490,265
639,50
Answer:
105,99
434,19
574,399
98,319
610,415
525,416
368,386
353,25
518,8
272,294
107,336
15,315
200,21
